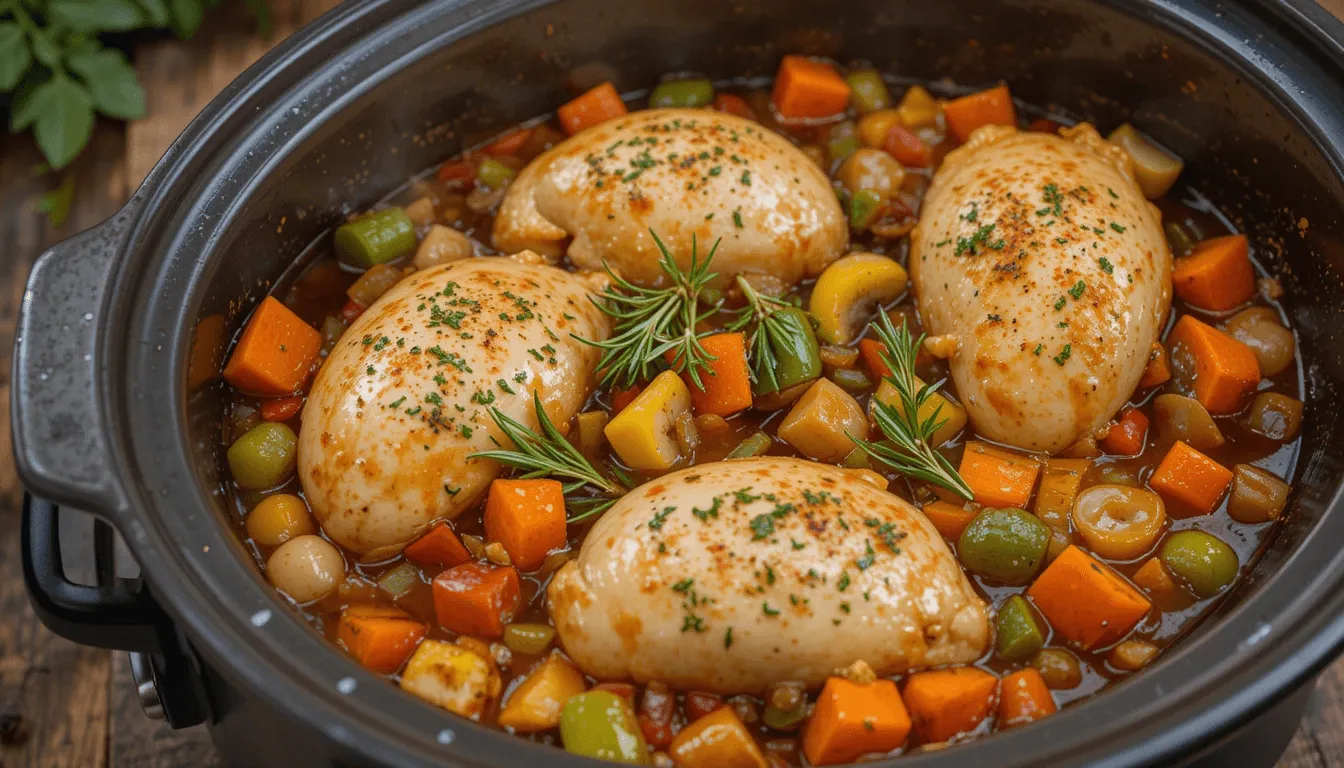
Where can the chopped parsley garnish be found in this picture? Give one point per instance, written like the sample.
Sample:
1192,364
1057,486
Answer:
762,526
1061,303
1077,290
1106,265
683,585
1117,227
1064,354
768,611
661,517
713,511
843,584
869,557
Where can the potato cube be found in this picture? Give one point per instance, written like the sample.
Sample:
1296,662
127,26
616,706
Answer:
818,423
450,677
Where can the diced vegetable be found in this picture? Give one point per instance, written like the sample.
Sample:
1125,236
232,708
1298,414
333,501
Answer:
375,238
848,291
620,398
1275,416
950,519
264,456
867,92
946,702
864,207
588,436
840,148
644,432
1201,560
1153,578
904,145
1192,479
531,639
734,105
380,639
874,171
1184,419
1155,170
281,409
717,740
535,705
697,92
850,720
1178,238
806,88
528,518
451,677
1127,436
873,127
601,724
1119,522
797,359
821,422
998,478
494,174
475,599
207,351
371,285
1017,634
1260,329
510,143
785,706
277,519
918,108
1257,495
757,444
442,245
727,383
275,353
951,414
440,546
306,568
1024,698
457,173
1005,545
1225,370
852,380
657,710
1085,601
989,107
1060,483
1158,370
699,704
1132,655
1059,669
398,581
624,690
1217,275
598,105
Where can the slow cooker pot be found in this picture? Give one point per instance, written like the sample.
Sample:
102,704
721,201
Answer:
1248,92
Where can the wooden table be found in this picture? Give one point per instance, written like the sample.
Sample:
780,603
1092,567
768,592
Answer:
62,705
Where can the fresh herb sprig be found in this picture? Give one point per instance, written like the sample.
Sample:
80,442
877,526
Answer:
549,454
653,321
909,445
770,331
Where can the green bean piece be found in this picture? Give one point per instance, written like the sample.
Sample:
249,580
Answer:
839,150
697,92
377,238
1004,545
494,174
852,379
601,724
1180,240
797,354
399,581
867,92
1201,560
755,445
863,209
1018,635
532,639
263,457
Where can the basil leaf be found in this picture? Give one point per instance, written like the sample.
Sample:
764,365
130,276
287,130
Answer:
23,106
44,50
97,15
64,119
187,15
111,82
15,58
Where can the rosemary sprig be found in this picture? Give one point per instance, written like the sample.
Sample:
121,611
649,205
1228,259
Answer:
770,331
652,321
908,448
551,455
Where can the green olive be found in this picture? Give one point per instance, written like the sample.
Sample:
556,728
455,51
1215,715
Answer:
1018,634
1004,545
601,724
263,457
1201,560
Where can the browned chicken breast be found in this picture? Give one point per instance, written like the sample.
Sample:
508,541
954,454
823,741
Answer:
730,576
681,173
1040,256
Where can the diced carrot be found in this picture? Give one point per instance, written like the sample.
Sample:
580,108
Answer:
508,144
852,720
657,713
1226,370
728,381
1043,125
734,105
624,690
717,740
946,702
699,704
1217,275
998,478
528,518
1127,436
949,518
458,172
1158,370
990,107
1154,579
476,599
282,409
1085,601
438,547
351,310
380,639
871,351
598,105
275,353
908,149
1024,698
1191,478
807,88
622,397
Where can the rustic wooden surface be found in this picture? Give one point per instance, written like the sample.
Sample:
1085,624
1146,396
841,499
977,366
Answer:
66,706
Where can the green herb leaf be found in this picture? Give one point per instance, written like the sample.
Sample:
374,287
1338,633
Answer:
63,123
156,12
15,57
97,15
112,83
772,329
186,17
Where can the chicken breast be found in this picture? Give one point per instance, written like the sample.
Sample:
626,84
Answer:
730,576
1040,256
682,173
405,395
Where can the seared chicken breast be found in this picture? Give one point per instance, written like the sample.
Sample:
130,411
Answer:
1039,254
730,576
404,397
682,173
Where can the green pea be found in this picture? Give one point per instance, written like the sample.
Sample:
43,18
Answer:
494,174
263,457
755,445
682,93
867,92
1018,635
863,209
531,639
797,355
601,724
1201,560
377,238
1004,545
852,379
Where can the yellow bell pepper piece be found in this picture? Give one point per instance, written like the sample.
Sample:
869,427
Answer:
918,109
818,423
644,433
953,414
588,438
535,705
451,677
849,289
